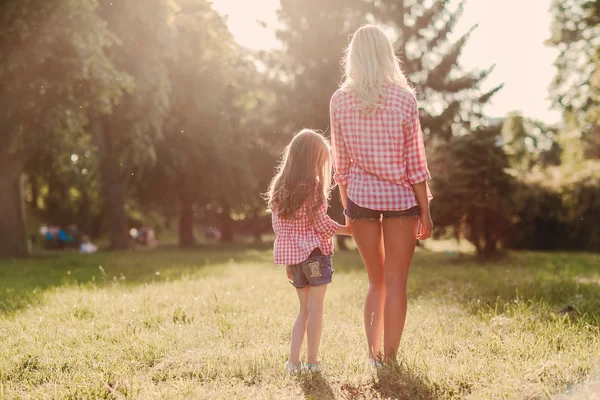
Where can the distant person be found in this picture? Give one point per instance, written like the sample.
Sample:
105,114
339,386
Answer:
381,169
212,233
86,246
297,199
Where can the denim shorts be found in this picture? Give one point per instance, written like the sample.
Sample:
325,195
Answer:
316,270
356,212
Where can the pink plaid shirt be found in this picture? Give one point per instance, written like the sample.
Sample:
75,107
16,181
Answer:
297,237
378,156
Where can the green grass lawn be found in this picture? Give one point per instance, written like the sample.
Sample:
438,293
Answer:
215,323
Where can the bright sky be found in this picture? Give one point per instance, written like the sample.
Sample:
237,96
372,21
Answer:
511,34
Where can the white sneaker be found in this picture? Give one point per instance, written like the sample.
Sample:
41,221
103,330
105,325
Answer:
293,369
316,367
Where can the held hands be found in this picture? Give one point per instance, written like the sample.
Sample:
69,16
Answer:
425,226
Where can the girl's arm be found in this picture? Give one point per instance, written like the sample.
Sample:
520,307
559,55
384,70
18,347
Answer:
323,225
344,230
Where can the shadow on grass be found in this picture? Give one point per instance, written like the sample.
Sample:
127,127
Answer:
315,386
569,283
23,281
400,381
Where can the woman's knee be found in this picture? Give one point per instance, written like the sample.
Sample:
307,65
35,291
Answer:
303,312
397,280
377,285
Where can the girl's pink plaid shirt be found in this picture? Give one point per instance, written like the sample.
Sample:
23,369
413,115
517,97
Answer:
298,236
378,156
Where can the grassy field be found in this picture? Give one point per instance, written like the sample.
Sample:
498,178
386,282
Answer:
215,323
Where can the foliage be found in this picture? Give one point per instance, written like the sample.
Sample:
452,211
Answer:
46,64
209,156
46,61
529,143
471,189
576,87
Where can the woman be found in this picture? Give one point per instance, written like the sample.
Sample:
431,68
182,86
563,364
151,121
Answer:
381,169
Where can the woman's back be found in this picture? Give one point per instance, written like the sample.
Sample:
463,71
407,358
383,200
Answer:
378,155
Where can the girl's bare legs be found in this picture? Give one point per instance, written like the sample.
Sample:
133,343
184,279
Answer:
369,240
299,327
399,237
316,297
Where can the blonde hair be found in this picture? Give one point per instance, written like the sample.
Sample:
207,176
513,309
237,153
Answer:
304,169
370,64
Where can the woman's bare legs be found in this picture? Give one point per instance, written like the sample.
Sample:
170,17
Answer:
316,296
399,237
369,240
299,327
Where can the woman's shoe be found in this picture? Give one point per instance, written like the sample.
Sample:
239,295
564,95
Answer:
313,367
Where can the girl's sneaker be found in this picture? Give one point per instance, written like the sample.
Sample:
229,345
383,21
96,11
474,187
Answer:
293,369
316,367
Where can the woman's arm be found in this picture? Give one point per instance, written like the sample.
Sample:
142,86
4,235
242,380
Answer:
343,195
420,190
417,171
341,157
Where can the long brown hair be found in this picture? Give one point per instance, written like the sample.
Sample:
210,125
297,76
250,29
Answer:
304,169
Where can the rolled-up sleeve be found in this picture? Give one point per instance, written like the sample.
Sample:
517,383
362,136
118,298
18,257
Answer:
341,158
416,161
323,225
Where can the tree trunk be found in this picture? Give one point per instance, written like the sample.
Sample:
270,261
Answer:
226,223
35,191
256,225
85,214
113,185
490,237
186,221
13,233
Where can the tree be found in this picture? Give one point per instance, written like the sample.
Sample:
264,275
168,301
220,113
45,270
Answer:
472,189
206,157
576,86
529,143
125,132
45,63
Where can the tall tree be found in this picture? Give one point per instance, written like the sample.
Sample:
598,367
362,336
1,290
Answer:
45,62
203,158
473,189
125,133
576,86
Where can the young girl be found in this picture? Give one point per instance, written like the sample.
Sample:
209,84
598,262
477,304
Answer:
297,199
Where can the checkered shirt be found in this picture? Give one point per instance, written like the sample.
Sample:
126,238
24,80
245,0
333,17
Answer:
297,237
378,156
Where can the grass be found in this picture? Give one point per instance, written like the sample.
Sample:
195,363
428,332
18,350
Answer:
215,323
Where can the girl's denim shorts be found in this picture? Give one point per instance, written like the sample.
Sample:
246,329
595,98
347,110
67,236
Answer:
316,270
